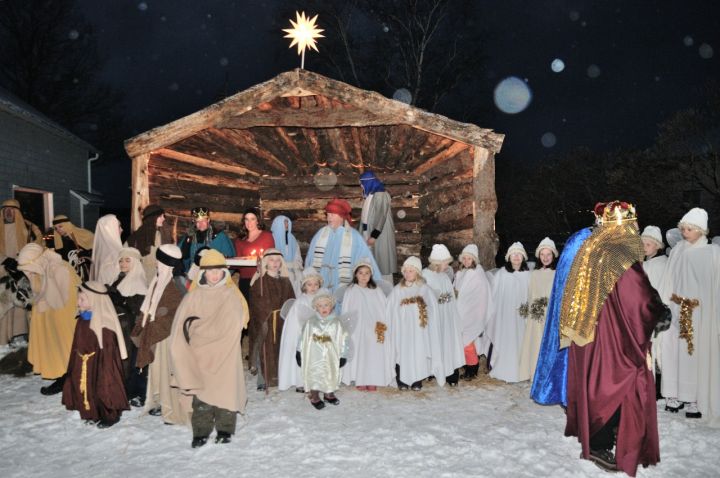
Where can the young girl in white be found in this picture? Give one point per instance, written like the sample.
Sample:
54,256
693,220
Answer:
690,347
654,266
289,372
412,320
474,303
323,351
541,283
449,322
370,365
505,330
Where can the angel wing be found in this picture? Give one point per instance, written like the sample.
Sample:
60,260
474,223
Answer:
303,314
285,309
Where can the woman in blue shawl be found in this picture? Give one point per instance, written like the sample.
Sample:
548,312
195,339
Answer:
286,243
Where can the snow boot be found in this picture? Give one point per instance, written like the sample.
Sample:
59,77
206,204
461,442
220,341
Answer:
691,411
223,437
471,371
673,405
54,388
331,399
605,459
197,442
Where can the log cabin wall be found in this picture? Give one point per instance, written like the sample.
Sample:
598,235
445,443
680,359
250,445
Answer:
277,143
303,200
178,186
447,205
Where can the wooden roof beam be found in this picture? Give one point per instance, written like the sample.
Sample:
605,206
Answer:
203,162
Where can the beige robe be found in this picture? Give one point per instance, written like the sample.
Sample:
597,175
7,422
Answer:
211,365
541,282
52,320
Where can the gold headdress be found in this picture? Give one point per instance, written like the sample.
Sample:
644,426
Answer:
200,212
611,249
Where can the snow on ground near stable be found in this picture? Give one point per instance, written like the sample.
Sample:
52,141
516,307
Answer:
484,428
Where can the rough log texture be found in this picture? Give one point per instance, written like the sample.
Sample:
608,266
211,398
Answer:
292,143
485,207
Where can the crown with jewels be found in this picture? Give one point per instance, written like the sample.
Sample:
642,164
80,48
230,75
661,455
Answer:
614,212
200,212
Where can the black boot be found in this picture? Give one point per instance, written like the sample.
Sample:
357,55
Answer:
197,442
471,371
223,437
104,423
452,380
54,388
401,385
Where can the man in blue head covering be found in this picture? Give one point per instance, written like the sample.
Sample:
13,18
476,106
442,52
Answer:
376,224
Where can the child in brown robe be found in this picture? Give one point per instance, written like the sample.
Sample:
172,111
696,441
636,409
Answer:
269,289
94,385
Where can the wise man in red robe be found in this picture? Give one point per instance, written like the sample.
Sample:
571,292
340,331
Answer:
609,313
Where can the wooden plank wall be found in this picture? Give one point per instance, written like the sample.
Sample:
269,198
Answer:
447,207
179,186
302,201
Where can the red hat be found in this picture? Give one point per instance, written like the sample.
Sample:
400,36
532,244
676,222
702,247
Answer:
340,207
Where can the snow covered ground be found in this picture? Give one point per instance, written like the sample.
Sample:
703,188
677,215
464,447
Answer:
484,428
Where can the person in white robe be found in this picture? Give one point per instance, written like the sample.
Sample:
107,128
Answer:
376,224
690,355
335,249
541,283
474,303
412,320
286,243
106,247
289,372
449,321
654,266
322,352
370,365
506,329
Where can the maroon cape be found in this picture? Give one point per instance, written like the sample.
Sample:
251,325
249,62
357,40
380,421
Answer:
612,373
106,398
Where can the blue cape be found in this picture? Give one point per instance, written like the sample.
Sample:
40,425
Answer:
549,385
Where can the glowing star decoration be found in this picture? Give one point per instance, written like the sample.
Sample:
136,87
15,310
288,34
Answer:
303,33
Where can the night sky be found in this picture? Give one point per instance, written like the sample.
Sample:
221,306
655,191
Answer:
628,65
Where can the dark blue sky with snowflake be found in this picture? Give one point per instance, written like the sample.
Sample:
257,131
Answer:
598,74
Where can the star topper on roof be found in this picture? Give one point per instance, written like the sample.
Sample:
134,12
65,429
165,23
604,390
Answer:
303,33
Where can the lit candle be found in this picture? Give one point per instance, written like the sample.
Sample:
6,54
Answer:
253,253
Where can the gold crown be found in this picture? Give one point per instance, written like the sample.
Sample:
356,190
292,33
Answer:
200,212
615,212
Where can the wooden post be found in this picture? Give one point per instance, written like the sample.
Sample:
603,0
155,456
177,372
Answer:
484,206
140,188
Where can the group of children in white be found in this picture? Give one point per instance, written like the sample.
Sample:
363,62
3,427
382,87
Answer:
367,333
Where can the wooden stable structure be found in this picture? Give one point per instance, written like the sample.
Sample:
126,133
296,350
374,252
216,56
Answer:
293,142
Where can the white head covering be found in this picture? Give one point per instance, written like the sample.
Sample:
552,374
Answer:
160,281
323,294
516,247
413,262
697,218
440,253
134,282
103,314
311,273
106,246
652,233
546,243
471,250
363,262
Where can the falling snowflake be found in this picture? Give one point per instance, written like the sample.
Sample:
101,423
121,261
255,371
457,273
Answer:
557,65
512,95
593,71
142,6
548,140
73,34
705,51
